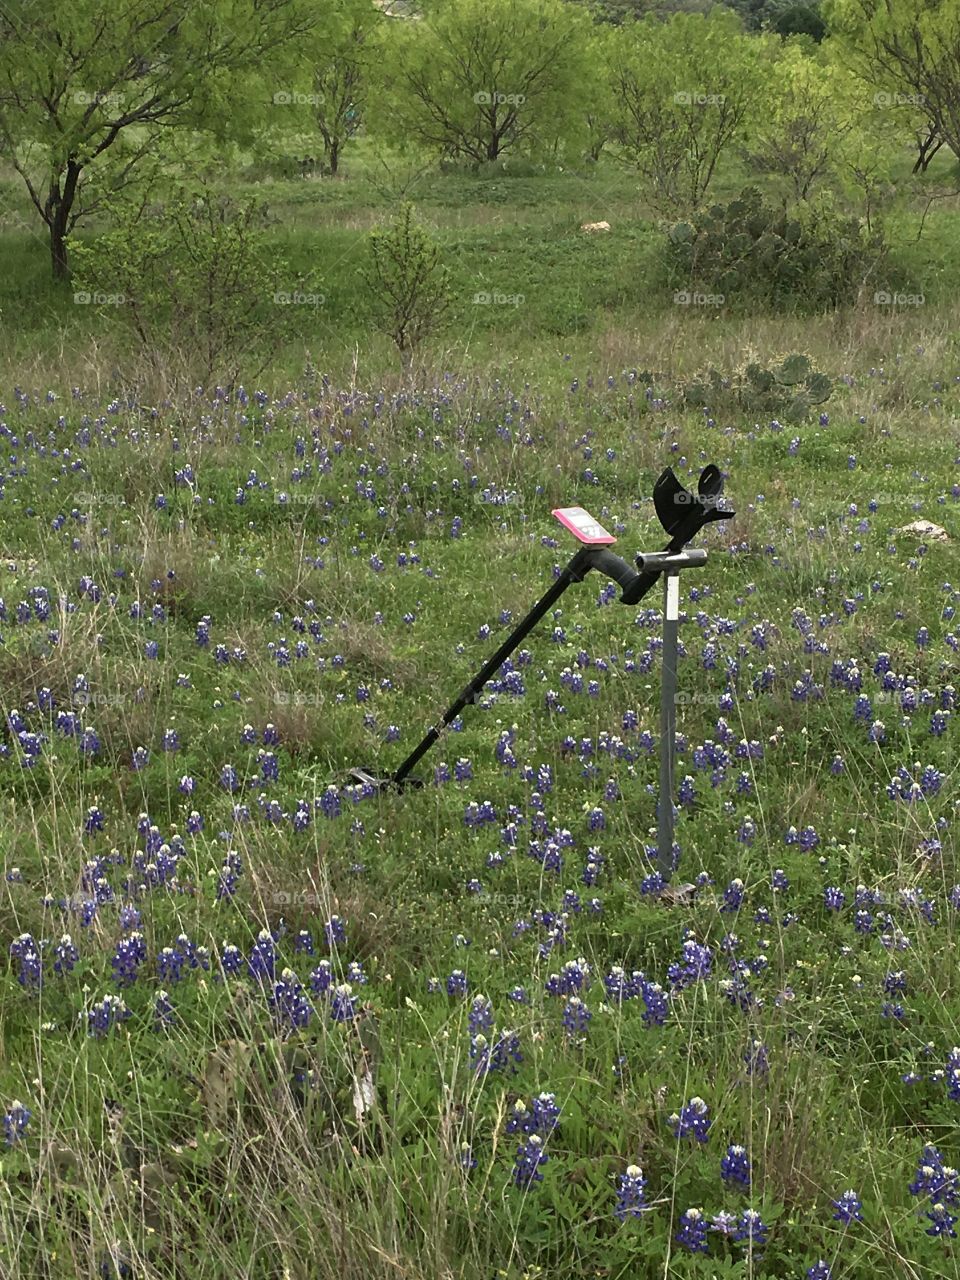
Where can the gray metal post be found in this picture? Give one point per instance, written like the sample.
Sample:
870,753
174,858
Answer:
668,721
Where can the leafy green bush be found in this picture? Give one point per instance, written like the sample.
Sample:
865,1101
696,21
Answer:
751,251
195,281
408,283
788,389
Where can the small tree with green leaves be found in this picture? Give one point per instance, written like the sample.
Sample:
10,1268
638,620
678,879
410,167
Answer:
474,80
408,282
684,92
84,81
195,281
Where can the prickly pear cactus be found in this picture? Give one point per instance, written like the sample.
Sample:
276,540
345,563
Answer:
789,388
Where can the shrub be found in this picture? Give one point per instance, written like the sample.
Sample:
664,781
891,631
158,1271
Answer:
752,251
409,284
195,280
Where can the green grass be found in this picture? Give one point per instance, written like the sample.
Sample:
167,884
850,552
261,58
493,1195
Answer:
229,1145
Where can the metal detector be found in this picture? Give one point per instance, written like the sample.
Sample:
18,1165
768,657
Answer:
683,514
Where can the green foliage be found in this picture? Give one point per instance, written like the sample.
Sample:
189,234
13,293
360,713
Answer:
408,283
811,132
787,388
194,280
750,251
684,92
906,55
321,86
84,79
801,20
476,79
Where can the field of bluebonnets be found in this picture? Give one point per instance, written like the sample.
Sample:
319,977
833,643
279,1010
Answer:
258,1022
276,478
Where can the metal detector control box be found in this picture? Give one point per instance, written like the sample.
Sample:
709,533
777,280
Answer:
583,526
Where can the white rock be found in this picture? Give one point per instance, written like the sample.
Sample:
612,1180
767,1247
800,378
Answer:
926,529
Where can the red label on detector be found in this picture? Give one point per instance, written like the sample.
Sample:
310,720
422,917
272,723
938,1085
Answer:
583,526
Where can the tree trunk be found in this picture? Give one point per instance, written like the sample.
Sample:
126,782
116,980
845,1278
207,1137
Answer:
333,157
927,148
59,206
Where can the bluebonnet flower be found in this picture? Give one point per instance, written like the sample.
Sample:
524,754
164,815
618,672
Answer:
696,963
15,1122
457,983
750,1229
631,1202
109,1013
576,1016
303,943
573,978
755,1059
656,1002
321,979
735,1166
820,1271
231,959
503,1055
693,1120
692,1232
834,898
530,1159
480,1017
289,1004
65,956
30,971
733,896
540,1116
936,1180
942,1221
263,957
163,1014
343,1006
723,1223
465,1158
129,956
847,1208
229,779
335,932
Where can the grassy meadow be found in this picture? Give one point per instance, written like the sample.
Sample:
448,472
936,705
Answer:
257,1023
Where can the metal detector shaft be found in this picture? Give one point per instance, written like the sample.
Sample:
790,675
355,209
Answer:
575,571
668,721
